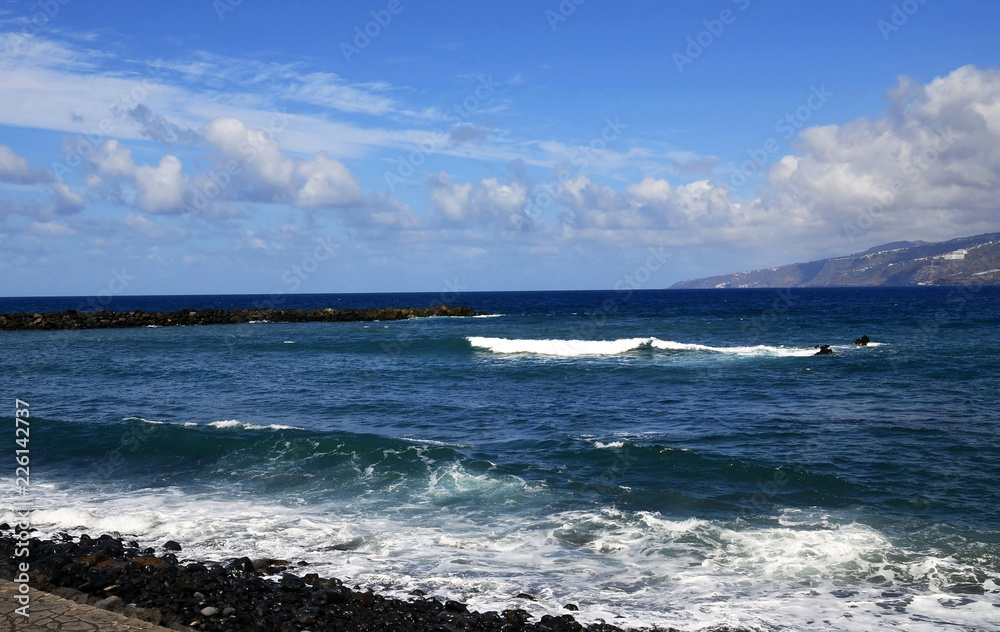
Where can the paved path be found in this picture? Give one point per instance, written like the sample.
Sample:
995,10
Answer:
49,612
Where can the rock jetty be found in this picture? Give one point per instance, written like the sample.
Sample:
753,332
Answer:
105,319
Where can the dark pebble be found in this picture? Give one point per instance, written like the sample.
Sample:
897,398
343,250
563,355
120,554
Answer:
238,597
170,545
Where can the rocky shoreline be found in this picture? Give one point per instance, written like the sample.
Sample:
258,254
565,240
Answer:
105,319
243,595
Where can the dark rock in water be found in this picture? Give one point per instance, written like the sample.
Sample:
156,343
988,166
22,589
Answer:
525,596
170,545
863,340
824,350
571,606
242,565
105,319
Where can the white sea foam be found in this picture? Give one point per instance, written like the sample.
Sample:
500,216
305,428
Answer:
442,444
612,444
810,567
227,424
576,348
145,421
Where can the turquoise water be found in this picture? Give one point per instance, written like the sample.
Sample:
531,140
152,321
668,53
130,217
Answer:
659,458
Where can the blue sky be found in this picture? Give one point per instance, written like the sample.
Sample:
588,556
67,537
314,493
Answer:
231,147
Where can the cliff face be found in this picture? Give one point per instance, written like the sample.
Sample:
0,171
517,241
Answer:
963,261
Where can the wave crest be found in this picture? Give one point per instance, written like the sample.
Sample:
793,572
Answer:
575,348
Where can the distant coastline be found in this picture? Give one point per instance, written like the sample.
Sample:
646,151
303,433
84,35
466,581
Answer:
106,319
964,261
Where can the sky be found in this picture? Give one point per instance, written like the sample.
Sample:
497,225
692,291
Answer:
242,146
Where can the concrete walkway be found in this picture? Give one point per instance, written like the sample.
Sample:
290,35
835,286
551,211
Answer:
49,612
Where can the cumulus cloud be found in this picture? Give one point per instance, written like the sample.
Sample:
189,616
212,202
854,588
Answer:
252,169
269,175
487,201
159,189
16,169
327,182
930,166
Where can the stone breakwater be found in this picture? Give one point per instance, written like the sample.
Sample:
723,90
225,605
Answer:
157,586
72,319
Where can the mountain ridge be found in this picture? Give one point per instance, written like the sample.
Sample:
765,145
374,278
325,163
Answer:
973,260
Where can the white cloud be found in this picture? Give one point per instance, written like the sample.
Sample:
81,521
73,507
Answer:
326,89
318,182
327,183
930,167
454,201
161,189
487,201
17,170
14,168
258,151
253,169
51,229
113,159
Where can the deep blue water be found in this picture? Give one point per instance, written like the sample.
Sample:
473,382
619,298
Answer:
666,457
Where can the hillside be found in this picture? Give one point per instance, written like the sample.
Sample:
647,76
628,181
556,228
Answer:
963,261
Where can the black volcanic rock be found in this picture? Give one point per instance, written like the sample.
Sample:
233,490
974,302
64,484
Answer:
105,319
234,598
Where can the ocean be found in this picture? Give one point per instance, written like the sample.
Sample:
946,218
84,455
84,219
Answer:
658,458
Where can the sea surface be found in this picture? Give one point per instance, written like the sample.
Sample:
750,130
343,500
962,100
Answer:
659,458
